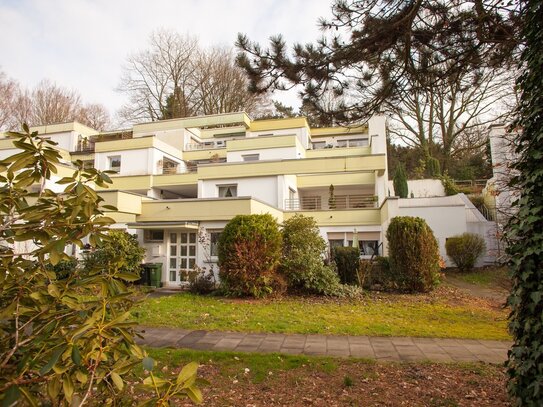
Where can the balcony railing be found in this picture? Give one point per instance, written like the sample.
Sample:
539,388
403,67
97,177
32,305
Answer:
85,147
353,202
318,145
179,170
204,146
314,203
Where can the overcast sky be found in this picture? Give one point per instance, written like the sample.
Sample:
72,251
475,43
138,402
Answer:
81,44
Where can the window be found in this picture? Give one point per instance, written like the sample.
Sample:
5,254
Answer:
251,157
335,243
153,235
358,142
317,145
214,243
115,163
228,191
342,143
369,247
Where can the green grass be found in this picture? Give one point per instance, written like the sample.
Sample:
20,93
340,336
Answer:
405,316
232,364
488,277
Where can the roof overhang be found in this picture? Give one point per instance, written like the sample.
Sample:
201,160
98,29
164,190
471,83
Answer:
163,225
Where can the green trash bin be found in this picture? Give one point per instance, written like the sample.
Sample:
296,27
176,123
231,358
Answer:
155,274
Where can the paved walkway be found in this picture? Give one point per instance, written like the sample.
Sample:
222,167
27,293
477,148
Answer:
371,347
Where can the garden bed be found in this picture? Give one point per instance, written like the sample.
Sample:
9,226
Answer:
281,380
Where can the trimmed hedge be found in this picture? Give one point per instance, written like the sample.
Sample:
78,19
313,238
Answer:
465,249
249,255
302,262
413,254
347,262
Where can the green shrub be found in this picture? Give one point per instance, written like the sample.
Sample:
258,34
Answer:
63,268
433,167
347,264
400,182
448,185
302,260
249,255
121,248
413,254
465,249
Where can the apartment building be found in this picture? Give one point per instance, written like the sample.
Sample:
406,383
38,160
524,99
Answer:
178,182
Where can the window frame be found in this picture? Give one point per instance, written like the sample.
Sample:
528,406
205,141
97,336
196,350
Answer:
227,186
149,238
250,157
214,236
112,158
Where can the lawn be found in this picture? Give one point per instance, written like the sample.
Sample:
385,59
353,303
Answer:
276,380
488,277
445,313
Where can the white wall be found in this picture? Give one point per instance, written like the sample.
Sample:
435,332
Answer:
377,130
135,162
421,188
445,221
66,140
8,153
262,188
284,184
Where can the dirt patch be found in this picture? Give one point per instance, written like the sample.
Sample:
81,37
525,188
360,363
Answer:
360,384
495,289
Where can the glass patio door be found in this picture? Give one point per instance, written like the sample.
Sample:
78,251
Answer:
181,253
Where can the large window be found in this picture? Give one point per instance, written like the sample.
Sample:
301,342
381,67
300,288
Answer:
115,163
228,191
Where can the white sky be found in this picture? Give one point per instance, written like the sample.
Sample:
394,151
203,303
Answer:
81,44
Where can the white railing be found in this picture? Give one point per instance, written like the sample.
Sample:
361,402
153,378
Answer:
312,203
306,203
203,146
353,202
316,145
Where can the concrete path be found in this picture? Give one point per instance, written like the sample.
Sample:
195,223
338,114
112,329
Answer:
379,348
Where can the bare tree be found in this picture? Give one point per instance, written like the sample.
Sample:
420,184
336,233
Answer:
94,115
452,114
221,86
53,104
47,103
175,78
160,79
8,94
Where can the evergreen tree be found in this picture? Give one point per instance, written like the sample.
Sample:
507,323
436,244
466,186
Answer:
400,182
